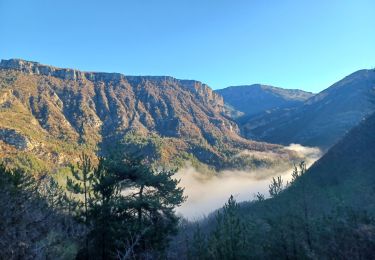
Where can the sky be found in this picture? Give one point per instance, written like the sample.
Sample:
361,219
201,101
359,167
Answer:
305,44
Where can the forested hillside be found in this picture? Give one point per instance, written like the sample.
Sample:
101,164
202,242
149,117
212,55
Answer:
326,212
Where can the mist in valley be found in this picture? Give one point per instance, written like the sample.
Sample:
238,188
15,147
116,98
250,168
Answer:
207,193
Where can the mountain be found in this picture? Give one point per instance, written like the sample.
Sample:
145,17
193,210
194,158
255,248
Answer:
50,115
327,212
257,98
346,171
323,119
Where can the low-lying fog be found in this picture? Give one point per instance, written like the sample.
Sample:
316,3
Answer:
207,193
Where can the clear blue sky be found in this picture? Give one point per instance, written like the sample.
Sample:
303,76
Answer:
291,44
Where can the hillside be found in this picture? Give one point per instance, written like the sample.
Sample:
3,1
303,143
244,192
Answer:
257,98
342,179
326,212
49,115
323,119
346,172
343,176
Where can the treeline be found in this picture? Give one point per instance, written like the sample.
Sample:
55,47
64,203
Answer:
282,227
115,209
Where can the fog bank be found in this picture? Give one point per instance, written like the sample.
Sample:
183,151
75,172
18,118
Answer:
207,193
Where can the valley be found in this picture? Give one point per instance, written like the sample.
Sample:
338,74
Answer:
187,130
61,113
242,142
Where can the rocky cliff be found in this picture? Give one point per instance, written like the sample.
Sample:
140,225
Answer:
65,111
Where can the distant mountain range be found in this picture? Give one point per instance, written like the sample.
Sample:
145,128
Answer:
49,115
257,98
321,120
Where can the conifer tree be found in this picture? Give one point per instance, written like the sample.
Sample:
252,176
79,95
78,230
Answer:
276,186
229,239
81,185
148,200
127,206
198,248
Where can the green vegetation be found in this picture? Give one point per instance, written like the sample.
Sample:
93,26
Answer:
29,163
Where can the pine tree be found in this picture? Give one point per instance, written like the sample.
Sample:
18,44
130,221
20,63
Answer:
198,248
105,211
229,240
81,185
128,207
276,186
148,199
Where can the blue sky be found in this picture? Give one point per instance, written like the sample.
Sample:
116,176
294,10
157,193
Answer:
292,44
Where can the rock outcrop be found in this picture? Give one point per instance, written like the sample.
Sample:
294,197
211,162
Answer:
34,68
14,138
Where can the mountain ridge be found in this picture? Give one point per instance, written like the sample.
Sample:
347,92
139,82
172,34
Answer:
323,119
257,98
165,118
36,68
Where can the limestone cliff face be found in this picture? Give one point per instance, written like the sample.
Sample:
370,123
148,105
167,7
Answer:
31,68
204,92
67,107
35,68
166,105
